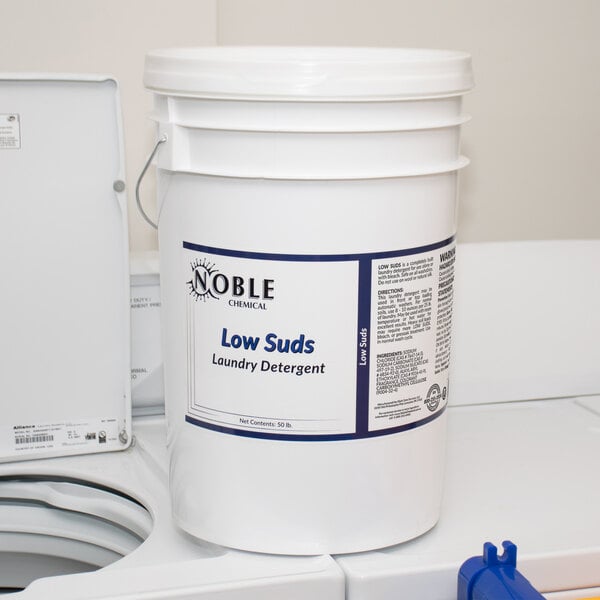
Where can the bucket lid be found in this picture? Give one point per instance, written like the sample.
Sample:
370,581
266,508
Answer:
308,73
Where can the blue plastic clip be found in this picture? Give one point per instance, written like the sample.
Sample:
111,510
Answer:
490,577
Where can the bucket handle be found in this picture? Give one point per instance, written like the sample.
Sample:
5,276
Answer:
138,201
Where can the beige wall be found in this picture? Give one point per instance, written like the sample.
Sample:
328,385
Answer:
535,132
535,135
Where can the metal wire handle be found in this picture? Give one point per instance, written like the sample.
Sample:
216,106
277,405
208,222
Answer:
138,201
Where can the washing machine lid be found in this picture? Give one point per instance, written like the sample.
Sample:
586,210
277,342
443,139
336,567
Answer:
64,307
520,471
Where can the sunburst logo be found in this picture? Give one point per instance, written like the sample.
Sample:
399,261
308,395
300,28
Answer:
199,285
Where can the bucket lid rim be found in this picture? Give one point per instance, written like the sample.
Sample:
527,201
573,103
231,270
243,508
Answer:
311,72
285,53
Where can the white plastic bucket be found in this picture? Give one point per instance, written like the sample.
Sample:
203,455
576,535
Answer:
307,213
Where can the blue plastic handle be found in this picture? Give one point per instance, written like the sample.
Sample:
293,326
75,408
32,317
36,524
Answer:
493,577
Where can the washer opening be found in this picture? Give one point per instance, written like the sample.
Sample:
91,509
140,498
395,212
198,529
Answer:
61,526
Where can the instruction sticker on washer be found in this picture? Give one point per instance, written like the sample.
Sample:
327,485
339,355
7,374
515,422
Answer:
317,347
146,356
86,435
10,132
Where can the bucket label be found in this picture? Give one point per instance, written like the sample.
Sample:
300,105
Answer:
317,347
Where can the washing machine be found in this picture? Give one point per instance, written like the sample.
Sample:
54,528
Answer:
84,506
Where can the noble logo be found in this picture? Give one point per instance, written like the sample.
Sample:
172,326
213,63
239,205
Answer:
208,282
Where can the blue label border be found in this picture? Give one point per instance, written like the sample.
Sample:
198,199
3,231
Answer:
316,257
317,437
